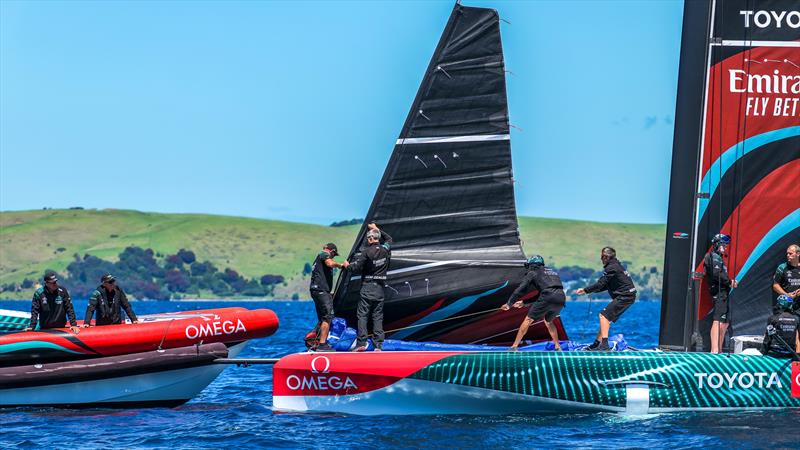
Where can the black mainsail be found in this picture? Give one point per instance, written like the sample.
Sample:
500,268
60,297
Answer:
447,199
736,161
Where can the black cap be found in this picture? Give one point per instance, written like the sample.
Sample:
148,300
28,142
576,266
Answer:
107,278
332,247
50,277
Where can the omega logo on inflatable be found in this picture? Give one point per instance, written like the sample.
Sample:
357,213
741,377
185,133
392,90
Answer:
320,365
214,329
796,378
744,380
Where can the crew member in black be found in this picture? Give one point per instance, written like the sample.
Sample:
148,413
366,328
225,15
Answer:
51,306
618,283
373,264
719,285
109,300
787,277
783,326
549,299
321,283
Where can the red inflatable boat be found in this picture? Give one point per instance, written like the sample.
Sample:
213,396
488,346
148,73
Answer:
163,331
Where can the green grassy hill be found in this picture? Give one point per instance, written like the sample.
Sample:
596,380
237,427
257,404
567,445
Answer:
33,241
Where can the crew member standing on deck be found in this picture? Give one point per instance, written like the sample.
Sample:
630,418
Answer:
719,285
618,283
549,299
321,286
372,264
787,277
109,300
51,306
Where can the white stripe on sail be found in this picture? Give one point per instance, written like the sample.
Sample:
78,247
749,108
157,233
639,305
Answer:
442,263
440,140
735,43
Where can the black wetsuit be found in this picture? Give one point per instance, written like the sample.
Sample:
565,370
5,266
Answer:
618,283
373,264
788,278
321,282
549,299
786,326
719,284
51,309
109,306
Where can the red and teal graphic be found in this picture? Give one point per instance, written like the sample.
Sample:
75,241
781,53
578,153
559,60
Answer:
749,169
531,382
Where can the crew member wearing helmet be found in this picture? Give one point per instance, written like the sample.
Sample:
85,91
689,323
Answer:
321,286
373,264
548,295
787,277
719,285
51,306
618,283
108,300
783,331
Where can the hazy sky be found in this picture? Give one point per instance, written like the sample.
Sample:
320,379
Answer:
289,110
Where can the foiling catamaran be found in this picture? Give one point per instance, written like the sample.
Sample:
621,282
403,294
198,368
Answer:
447,198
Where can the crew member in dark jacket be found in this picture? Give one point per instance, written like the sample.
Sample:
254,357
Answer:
719,286
51,306
109,300
321,284
786,280
373,264
783,331
618,283
549,299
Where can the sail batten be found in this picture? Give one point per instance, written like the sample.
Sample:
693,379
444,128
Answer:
447,195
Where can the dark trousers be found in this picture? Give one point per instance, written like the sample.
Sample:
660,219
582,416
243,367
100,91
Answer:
370,305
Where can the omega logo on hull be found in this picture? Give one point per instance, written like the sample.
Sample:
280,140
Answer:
214,329
320,366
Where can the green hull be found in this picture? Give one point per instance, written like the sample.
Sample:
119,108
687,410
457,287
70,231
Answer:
662,381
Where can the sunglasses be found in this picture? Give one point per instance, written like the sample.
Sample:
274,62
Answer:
111,282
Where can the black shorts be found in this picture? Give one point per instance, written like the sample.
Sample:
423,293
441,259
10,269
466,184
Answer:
721,307
323,302
545,310
548,307
614,310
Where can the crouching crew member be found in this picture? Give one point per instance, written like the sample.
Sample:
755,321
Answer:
783,331
719,285
787,277
618,283
108,300
548,301
373,264
321,284
51,306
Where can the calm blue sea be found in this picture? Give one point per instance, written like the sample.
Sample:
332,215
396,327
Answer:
234,411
